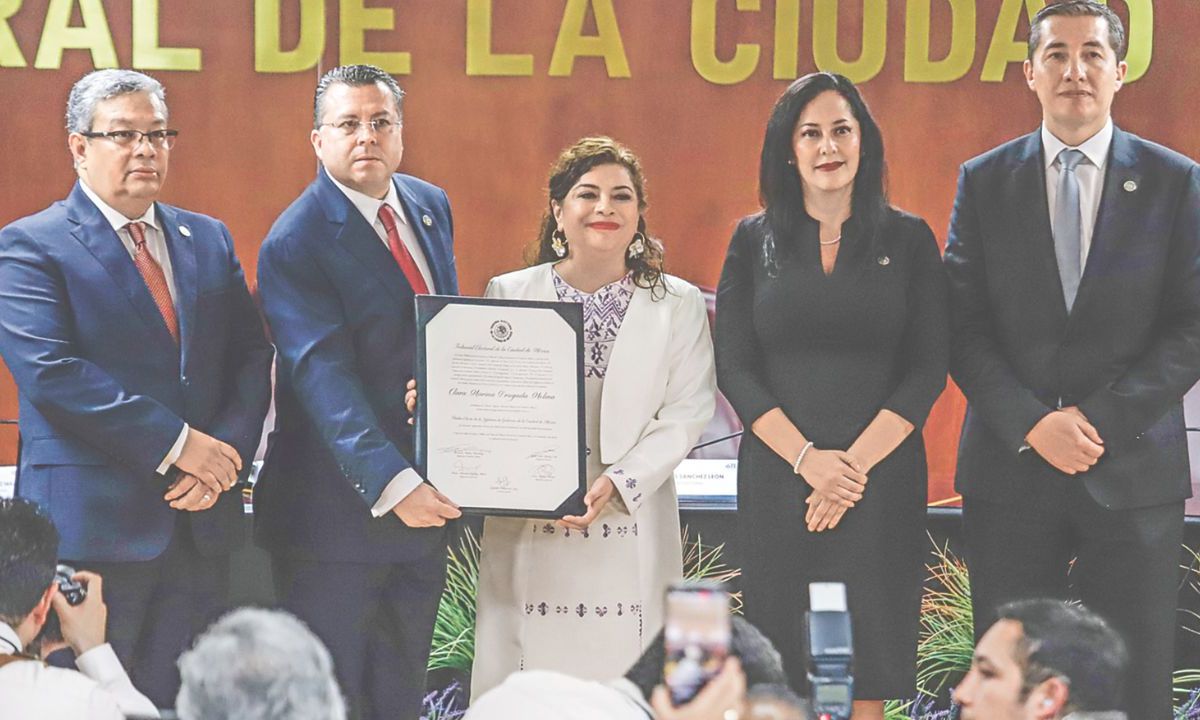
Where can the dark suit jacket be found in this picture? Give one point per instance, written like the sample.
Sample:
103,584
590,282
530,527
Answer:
342,316
105,392
1125,355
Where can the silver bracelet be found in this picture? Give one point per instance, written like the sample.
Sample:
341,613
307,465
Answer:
800,458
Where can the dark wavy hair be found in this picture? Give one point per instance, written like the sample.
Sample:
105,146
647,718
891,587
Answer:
779,185
574,163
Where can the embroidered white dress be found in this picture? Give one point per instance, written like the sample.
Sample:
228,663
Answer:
565,600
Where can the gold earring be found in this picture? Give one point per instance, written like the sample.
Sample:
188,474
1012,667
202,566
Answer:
558,243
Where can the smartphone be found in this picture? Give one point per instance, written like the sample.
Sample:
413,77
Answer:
696,638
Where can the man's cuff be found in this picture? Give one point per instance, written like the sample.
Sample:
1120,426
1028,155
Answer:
101,664
175,452
405,482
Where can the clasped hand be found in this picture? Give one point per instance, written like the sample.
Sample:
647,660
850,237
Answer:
838,481
1066,440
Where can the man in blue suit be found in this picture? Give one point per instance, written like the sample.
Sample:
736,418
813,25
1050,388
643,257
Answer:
357,537
1074,262
143,373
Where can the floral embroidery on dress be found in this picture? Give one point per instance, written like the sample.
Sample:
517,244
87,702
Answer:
603,313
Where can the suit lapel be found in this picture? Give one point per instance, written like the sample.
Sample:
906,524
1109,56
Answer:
417,215
182,250
93,232
360,239
1116,217
1029,177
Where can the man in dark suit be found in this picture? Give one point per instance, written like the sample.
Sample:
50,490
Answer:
357,537
1074,261
143,373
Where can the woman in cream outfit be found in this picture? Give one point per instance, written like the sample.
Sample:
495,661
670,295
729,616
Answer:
584,595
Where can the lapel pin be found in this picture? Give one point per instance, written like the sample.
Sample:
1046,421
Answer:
427,220
183,230
1130,186
884,260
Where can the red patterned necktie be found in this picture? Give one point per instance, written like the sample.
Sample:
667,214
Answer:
388,217
156,280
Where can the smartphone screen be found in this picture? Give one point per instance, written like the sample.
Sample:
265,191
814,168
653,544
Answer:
696,638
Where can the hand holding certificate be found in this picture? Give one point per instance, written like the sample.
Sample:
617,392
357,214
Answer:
500,427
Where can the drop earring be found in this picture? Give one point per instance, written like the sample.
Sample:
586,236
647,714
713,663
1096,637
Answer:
558,243
637,247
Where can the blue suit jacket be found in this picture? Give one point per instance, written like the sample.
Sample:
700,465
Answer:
1125,355
105,391
342,317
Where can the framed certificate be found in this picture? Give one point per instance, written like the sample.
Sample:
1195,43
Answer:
500,421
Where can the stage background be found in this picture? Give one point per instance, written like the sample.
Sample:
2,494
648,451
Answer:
497,87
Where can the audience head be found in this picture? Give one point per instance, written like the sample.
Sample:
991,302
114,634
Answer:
760,661
821,138
119,140
581,173
357,127
28,553
1042,660
774,702
256,664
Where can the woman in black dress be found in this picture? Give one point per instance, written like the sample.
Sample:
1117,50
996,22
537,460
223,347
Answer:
832,344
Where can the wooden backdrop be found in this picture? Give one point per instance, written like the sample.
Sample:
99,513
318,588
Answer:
497,87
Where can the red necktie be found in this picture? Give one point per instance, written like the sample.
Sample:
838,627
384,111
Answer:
388,217
156,280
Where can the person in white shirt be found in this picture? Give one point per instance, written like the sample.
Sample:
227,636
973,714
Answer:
28,594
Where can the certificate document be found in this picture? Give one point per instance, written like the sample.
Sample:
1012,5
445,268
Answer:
500,420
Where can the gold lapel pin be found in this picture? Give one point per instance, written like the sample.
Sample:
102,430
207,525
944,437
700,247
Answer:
183,230
1130,186
427,220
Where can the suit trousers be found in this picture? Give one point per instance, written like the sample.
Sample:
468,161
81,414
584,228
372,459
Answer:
1126,568
157,607
377,621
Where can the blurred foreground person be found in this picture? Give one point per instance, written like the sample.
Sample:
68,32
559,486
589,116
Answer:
29,593
258,664
549,695
1045,660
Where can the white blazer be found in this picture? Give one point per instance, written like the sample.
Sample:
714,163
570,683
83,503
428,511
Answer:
659,389
658,394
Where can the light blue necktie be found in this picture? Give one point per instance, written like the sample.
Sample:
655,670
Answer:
1068,237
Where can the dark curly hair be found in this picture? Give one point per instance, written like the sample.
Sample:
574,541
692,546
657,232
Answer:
574,163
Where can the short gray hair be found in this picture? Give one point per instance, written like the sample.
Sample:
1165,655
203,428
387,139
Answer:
256,664
100,85
355,76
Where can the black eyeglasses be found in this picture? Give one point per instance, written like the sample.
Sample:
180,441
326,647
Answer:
132,138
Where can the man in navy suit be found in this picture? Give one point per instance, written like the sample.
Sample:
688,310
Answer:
357,538
1074,261
143,373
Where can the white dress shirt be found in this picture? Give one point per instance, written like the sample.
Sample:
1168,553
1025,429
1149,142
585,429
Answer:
101,689
156,245
1089,172
406,480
